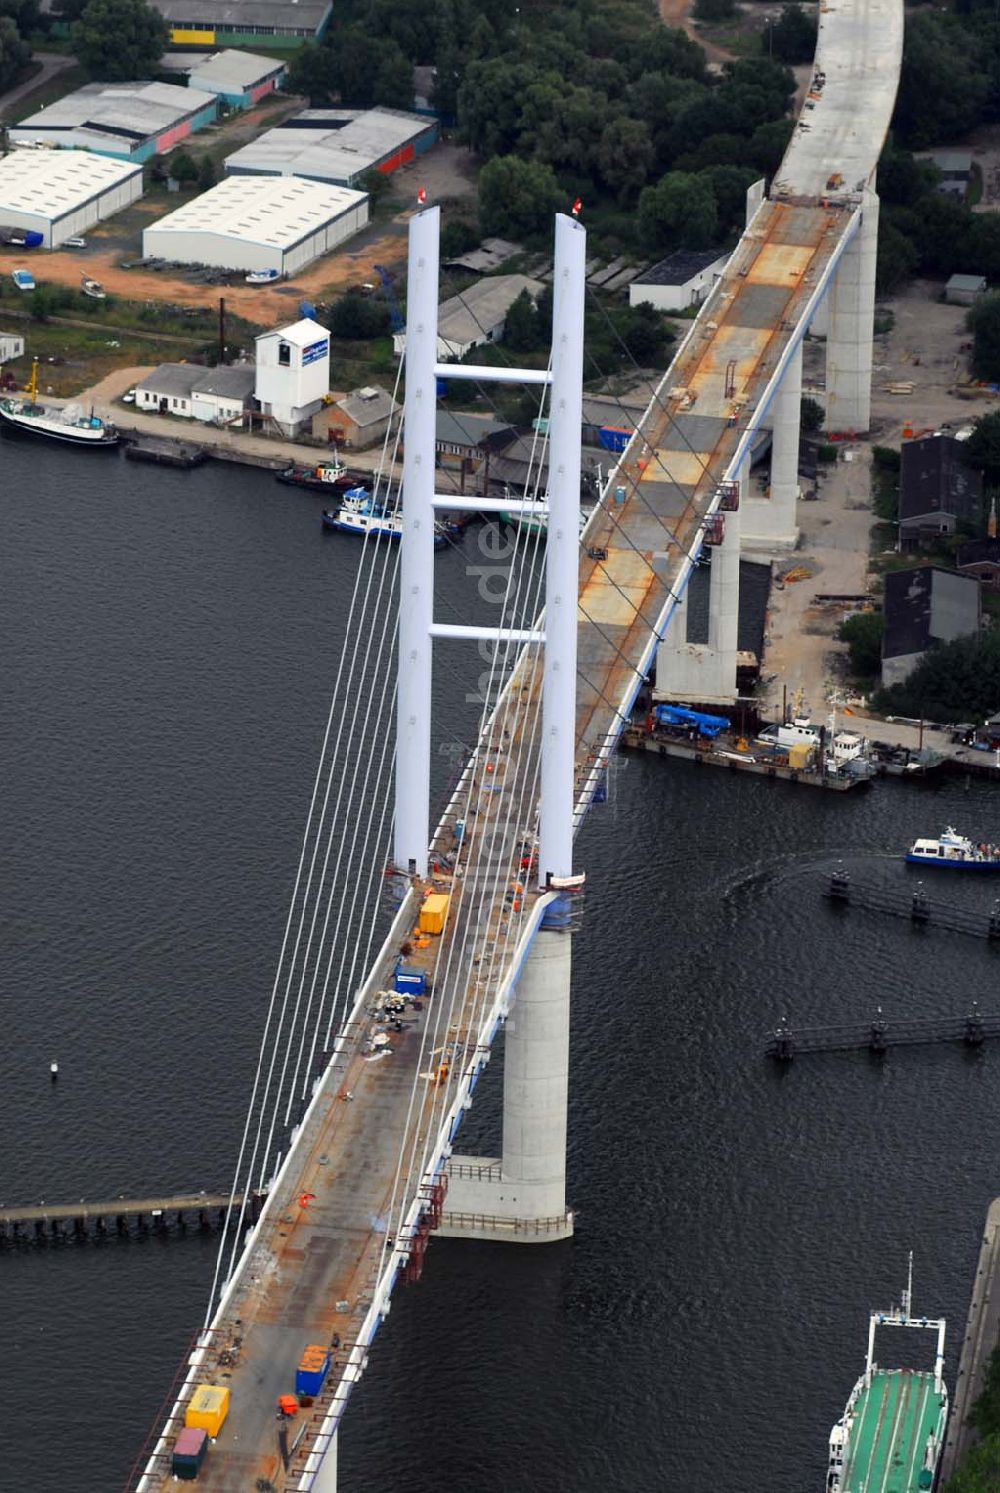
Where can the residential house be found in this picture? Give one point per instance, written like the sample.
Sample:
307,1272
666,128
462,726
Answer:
924,606
938,493
681,280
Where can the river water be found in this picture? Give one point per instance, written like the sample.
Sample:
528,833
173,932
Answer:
169,643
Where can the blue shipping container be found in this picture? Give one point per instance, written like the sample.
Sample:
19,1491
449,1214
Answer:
310,1381
409,981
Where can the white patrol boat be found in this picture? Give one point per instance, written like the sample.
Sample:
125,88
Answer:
956,852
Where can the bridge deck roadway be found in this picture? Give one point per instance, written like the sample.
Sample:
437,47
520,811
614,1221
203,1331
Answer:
312,1257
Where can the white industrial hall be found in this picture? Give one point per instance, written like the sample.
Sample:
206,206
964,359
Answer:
62,193
258,223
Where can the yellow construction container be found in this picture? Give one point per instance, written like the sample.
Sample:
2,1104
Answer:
798,755
208,1409
433,913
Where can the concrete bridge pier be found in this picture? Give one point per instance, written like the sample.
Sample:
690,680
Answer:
705,673
769,523
325,1480
520,1197
851,324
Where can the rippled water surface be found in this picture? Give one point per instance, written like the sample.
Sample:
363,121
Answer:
169,643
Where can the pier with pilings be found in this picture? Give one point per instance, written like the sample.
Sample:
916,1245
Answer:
916,906
878,1035
121,1218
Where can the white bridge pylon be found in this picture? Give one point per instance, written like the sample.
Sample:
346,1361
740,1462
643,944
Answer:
417,628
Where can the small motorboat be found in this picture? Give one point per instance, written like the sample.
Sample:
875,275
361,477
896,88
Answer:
23,279
955,852
93,288
262,277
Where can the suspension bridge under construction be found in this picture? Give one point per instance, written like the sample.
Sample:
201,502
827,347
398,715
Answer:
376,1037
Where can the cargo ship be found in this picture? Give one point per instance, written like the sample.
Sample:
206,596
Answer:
25,416
955,852
891,1434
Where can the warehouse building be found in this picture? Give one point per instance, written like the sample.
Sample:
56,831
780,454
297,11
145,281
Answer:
63,193
336,145
476,316
130,121
923,607
238,79
220,395
244,23
246,223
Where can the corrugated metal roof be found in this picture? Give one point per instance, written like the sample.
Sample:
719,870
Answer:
470,316
232,69
334,146
140,109
263,210
241,15
53,182
367,406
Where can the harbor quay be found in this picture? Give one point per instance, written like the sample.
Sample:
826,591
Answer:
982,1337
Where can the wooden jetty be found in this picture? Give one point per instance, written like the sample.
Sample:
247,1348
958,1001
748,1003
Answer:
916,906
41,1222
877,1036
165,453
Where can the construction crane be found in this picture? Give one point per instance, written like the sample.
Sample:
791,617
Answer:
389,296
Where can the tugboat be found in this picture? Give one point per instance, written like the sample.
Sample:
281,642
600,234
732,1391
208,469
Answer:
955,852
323,476
891,1434
359,514
25,416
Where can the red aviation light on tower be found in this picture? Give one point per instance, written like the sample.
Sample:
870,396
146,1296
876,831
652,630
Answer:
422,197
577,205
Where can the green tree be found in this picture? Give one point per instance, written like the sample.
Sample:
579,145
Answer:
678,213
358,318
206,173
523,331
811,415
182,167
120,39
984,323
625,156
490,102
863,633
313,73
957,681
897,258
979,1471
985,1413
982,450
517,197
714,10
358,57
394,80
458,236
646,335
729,187
793,37
26,15
14,52
768,144
943,87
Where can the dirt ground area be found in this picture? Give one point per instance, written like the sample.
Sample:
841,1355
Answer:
924,348
800,650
